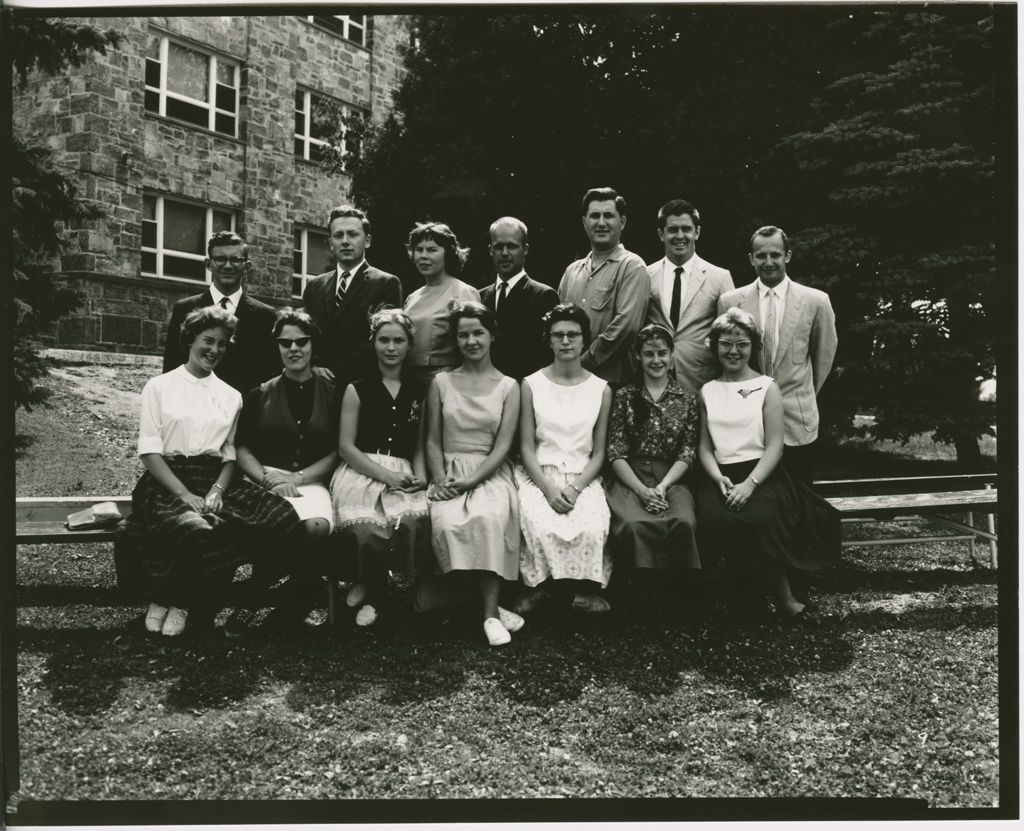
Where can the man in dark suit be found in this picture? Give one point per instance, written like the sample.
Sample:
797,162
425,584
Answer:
340,301
252,357
517,301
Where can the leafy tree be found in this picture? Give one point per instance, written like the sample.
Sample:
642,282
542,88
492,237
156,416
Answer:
42,197
903,158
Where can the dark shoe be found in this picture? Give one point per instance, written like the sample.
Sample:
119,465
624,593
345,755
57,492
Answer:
530,601
238,623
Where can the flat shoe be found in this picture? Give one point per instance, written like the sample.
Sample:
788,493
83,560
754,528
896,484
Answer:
366,616
356,595
155,617
238,623
497,635
174,623
590,603
528,602
510,620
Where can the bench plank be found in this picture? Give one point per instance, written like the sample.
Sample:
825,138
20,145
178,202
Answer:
49,509
982,501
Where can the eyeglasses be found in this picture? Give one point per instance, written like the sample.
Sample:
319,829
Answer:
570,336
226,260
288,343
739,344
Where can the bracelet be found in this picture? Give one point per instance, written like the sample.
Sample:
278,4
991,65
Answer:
753,479
573,486
218,486
302,476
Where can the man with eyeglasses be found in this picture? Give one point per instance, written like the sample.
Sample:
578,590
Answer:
684,293
798,341
252,356
340,300
610,284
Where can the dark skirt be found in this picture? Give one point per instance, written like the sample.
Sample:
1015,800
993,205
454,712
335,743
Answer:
640,539
173,554
784,520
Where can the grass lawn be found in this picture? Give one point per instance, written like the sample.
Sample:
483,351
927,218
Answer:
897,699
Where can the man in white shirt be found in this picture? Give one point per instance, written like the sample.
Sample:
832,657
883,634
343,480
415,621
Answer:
252,357
517,301
799,340
684,293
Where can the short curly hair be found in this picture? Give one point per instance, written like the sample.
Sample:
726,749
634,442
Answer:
454,256
287,316
383,315
569,312
207,317
652,332
735,316
473,310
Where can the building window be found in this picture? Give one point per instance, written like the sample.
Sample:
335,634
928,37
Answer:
311,255
317,120
174,236
353,27
183,83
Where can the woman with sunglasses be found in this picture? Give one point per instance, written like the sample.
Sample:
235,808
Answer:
287,442
751,512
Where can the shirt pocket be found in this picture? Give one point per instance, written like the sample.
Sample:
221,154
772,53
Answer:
600,297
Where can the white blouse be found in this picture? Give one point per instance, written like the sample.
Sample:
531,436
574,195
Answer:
565,417
187,416
736,418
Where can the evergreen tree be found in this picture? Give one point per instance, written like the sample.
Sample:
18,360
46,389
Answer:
903,160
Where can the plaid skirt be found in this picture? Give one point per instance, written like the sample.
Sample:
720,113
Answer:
171,554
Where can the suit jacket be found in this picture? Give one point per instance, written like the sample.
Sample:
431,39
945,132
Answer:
519,349
252,356
803,359
698,308
345,348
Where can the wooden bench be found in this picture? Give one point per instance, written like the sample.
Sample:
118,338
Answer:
931,497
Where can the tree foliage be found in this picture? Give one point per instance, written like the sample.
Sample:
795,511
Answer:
42,197
901,167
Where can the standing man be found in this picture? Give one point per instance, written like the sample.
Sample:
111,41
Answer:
517,302
684,293
610,284
798,340
340,301
252,356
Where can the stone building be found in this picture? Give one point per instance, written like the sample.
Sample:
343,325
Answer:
193,125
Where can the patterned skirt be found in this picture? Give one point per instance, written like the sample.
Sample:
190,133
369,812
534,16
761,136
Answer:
563,546
378,529
172,554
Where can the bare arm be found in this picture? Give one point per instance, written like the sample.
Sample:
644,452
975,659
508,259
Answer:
502,441
352,455
593,467
528,442
433,437
706,453
159,470
771,412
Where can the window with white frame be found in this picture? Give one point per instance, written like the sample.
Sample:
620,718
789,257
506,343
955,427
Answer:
353,27
311,255
190,85
316,123
174,236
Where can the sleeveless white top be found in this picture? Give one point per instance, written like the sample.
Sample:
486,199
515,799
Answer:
565,418
735,418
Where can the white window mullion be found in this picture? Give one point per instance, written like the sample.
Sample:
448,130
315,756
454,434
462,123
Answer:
164,57
160,236
211,91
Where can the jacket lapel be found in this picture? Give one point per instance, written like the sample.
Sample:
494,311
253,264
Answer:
790,318
693,285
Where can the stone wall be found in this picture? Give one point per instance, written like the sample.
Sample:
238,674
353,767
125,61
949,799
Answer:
94,121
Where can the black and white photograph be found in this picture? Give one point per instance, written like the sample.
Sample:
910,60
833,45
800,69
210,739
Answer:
512,413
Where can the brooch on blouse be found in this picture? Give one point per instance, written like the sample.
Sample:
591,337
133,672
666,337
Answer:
747,393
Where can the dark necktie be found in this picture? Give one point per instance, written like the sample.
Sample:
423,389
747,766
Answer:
343,285
224,304
502,289
677,290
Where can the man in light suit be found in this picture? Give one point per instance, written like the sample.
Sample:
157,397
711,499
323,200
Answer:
610,284
799,340
684,293
517,301
252,356
340,300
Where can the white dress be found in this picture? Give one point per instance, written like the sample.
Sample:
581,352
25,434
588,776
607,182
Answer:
572,545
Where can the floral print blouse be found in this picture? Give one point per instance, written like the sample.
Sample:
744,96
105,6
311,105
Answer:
641,428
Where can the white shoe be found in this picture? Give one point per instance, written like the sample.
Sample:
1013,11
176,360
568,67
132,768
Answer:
174,623
155,617
510,620
356,595
497,635
367,616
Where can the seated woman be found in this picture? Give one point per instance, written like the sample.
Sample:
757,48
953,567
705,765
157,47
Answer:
380,504
191,525
652,442
472,414
750,509
563,426
287,441
435,252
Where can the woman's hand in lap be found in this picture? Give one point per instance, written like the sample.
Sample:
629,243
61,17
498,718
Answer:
561,501
739,494
276,477
725,486
214,501
286,489
196,503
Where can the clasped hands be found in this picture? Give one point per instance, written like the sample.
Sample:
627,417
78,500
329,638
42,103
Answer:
653,499
213,502
448,489
282,482
736,496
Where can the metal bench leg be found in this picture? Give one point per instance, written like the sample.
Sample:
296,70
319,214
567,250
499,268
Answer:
331,591
993,555
974,557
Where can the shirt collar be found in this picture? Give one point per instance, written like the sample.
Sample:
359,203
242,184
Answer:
511,280
218,295
616,254
673,388
780,290
352,272
687,267
192,379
